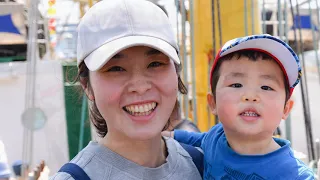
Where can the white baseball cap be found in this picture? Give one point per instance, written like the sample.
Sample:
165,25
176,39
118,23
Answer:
111,26
280,51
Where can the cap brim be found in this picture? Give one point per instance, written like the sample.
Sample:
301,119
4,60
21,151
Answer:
99,57
274,47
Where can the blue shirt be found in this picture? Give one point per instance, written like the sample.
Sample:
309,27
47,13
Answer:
221,162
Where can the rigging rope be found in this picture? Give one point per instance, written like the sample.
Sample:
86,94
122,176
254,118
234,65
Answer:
303,85
219,23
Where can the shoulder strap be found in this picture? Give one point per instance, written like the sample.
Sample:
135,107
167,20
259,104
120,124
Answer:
196,155
75,171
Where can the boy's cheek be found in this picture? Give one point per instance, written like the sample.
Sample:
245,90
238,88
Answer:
227,97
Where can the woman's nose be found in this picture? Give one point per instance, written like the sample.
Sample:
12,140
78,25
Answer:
139,86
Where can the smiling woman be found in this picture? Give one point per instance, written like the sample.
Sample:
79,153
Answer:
129,69
140,84
153,61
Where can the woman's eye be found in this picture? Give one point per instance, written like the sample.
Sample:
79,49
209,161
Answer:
267,88
155,64
115,68
236,85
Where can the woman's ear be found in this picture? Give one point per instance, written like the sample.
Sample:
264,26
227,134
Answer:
212,103
89,94
87,89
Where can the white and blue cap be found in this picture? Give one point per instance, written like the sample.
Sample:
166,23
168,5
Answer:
111,26
280,51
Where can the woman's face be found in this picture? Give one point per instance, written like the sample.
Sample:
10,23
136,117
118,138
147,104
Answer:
135,92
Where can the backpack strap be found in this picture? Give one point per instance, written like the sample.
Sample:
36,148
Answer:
75,171
196,155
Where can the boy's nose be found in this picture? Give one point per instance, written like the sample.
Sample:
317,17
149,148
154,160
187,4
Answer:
250,98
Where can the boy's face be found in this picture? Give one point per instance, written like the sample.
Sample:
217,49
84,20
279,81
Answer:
250,97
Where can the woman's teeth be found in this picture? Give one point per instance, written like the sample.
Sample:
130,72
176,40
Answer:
141,109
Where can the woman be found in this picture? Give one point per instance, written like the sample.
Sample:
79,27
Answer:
129,69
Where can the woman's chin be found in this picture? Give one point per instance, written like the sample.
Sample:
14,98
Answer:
144,134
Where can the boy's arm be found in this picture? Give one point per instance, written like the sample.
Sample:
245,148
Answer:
191,138
307,174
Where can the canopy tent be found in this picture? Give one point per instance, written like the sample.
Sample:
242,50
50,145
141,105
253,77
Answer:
7,24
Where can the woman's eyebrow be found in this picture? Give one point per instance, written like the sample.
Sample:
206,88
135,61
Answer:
152,52
118,56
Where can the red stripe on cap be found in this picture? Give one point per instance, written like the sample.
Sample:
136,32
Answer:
255,49
213,66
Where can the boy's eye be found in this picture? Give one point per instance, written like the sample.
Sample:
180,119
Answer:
267,88
115,68
155,64
236,85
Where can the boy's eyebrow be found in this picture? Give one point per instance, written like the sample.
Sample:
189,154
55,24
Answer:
264,76
235,74
270,77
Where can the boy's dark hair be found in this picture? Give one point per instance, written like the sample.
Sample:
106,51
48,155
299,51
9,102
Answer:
251,55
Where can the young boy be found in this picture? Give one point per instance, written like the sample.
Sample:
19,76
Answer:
252,80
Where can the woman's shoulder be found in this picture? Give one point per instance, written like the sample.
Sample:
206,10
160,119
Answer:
61,176
89,161
182,163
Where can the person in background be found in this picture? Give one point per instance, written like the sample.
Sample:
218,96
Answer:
277,133
5,173
3,154
318,169
17,168
177,122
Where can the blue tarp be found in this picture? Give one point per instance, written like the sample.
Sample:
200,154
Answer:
6,24
305,22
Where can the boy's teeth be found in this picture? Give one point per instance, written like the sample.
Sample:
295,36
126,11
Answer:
250,114
143,109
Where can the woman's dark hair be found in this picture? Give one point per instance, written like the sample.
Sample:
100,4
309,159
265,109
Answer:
251,55
95,116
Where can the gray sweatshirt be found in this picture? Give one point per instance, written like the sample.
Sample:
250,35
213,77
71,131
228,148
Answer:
100,163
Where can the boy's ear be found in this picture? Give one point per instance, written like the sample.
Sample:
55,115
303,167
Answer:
211,103
287,109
